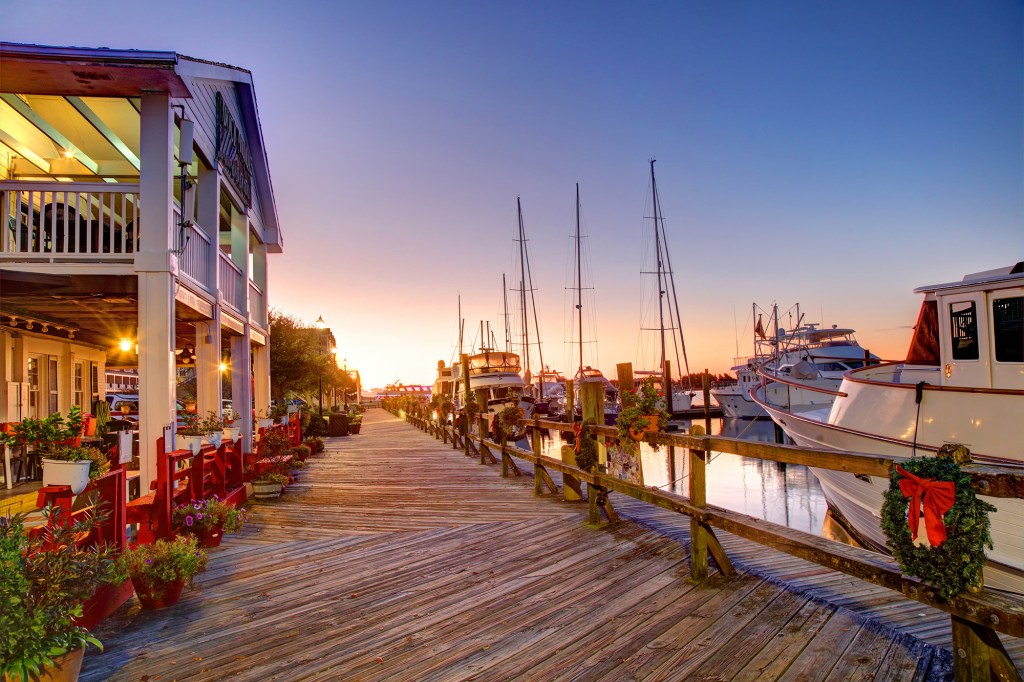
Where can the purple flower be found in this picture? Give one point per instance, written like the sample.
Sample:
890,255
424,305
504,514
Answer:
197,505
149,561
199,517
197,552
188,520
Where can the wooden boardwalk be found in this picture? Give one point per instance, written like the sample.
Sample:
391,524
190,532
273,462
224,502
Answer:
400,559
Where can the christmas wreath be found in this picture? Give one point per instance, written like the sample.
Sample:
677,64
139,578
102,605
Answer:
947,551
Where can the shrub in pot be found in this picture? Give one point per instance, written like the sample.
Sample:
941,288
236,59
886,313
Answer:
269,485
213,429
640,413
207,520
45,578
159,571
74,466
190,436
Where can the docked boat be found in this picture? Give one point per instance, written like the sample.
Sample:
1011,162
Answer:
495,375
962,382
802,367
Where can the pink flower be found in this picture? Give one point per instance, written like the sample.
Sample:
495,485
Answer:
188,520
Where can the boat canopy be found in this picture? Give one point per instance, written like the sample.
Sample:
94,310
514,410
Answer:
490,362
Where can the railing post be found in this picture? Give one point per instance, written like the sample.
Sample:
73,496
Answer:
536,446
698,497
707,401
592,394
482,426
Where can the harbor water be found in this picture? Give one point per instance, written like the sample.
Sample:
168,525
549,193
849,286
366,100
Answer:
786,494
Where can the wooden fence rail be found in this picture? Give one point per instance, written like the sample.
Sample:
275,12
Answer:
975,617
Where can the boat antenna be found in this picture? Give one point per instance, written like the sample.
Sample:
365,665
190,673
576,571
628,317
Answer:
462,325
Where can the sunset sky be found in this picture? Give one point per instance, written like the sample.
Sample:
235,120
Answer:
833,154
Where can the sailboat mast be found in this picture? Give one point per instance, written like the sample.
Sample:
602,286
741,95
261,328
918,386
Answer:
462,325
504,299
579,281
522,285
666,380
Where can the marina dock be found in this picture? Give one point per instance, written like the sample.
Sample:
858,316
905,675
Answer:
400,558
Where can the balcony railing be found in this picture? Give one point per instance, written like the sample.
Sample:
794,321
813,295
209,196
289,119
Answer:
194,259
80,220
231,285
257,306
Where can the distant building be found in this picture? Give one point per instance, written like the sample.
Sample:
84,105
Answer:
119,246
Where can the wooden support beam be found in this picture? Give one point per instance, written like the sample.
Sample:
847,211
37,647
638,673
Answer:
717,552
978,654
698,498
509,465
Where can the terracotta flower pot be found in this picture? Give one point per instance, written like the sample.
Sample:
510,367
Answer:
158,596
208,537
64,669
652,425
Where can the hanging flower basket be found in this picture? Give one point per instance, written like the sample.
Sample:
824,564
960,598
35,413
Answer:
652,425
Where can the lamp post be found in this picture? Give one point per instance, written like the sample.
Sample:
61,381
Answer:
344,388
320,324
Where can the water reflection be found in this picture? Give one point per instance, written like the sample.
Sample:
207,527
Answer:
786,494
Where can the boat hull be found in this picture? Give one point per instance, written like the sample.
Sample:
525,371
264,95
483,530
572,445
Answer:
736,405
860,501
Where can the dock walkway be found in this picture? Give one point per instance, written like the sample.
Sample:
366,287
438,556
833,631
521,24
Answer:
397,558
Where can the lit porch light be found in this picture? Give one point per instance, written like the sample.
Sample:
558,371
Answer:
125,344
320,324
223,366
69,154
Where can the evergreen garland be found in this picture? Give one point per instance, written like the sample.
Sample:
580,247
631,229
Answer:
954,566
586,458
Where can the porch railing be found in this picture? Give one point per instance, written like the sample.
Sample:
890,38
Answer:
231,285
194,259
78,220
257,305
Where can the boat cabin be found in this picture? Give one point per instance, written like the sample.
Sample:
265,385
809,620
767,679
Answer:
972,331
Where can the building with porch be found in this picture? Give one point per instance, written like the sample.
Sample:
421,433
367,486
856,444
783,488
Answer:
138,214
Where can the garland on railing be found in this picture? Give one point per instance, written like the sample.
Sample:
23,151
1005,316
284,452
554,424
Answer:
948,552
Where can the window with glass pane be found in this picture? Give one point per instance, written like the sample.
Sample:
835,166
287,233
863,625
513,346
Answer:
79,393
1008,328
963,319
33,387
51,382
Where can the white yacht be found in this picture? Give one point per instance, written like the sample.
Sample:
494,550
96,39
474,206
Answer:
962,382
495,374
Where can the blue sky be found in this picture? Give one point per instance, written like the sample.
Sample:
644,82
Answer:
836,154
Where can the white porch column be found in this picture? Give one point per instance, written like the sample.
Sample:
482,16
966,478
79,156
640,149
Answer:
241,346
208,356
157,270
209,392
261,376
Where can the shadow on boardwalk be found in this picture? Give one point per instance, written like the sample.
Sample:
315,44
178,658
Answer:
397,558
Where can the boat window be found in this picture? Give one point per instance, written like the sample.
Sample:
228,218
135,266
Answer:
963,319
854,364
832,366
1008,328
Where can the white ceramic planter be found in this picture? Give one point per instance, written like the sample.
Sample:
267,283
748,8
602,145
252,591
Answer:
191,443
215,438
74,474
265,423
231,433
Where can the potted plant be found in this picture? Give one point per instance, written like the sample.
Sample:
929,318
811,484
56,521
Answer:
45,578
355,422
159,571
263,421
74,466
268,485
640,413
296,467
231,432
213,428
207,520
190,436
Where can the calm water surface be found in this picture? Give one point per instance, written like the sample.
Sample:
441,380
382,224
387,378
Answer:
786,494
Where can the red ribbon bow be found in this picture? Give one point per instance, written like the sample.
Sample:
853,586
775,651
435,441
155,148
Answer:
577,430
936,496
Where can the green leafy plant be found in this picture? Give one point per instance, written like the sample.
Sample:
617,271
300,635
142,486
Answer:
207,514
317,425
101,412
586,456
297,465
637,406
315,445
193,425
507,421
212,424
302,451
273,477
45,577
165,561
80,453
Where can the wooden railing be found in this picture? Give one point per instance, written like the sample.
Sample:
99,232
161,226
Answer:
77,220
231,283
975,617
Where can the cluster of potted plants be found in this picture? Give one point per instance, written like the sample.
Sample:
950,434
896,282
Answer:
159,571
640,414
207,520
58,440
213,430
